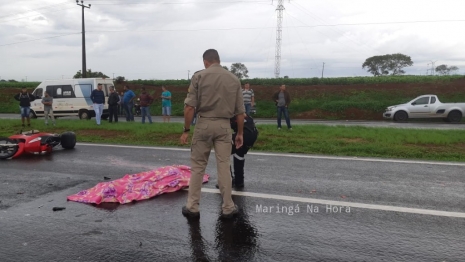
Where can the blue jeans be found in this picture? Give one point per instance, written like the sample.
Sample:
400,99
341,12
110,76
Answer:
285,111
98,108
247,108
25,110
128,108
145,110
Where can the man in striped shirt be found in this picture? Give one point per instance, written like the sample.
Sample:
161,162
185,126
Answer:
249,100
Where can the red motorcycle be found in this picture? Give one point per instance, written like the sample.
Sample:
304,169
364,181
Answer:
34,142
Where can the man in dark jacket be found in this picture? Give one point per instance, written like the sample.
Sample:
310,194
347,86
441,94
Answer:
145,102
113,101
282,100
25,100
98,98
250,136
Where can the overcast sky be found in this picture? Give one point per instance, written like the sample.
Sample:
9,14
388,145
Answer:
163,39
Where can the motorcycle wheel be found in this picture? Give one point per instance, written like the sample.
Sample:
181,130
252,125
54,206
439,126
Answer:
68,140
8,147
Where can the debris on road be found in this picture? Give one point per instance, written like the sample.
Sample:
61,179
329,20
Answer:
59,208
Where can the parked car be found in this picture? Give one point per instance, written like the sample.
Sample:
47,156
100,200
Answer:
426,106
71,97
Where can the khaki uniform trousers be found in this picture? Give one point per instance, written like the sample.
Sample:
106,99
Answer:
208,133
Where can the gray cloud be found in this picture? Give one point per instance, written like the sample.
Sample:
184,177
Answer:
166,39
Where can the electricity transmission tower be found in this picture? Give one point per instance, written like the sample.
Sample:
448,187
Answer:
84,70
432,67
279,30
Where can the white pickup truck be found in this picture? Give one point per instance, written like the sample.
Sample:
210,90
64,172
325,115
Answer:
426,106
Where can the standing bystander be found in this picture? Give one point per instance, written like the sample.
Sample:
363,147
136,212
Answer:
25,100
113,100
98,98
128,103
145,101
282,100
166,104
249,99
47,100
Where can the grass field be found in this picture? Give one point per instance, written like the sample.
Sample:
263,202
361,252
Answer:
444,145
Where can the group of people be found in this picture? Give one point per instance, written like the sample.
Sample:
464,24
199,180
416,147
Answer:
125,102
281,98
25,99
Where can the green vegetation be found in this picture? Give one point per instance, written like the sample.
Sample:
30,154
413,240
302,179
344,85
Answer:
361,80
446,145
19,84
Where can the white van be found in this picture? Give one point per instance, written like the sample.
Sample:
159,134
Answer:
71,97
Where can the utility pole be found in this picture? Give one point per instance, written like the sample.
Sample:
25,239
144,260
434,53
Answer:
84,70
188,74
323,70
113,76
279,31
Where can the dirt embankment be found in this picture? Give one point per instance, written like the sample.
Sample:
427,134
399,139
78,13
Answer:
407,90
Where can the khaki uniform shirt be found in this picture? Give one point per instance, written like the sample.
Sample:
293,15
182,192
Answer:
215,92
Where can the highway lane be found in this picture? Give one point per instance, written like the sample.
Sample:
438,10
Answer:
414,124
294,208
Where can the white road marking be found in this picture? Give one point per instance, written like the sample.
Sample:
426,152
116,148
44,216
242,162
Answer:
296,155
344,204
137,147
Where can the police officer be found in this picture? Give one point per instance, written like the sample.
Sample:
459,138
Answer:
216,94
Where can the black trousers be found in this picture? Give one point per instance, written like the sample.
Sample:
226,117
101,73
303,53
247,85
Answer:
113,111
239,162
239,156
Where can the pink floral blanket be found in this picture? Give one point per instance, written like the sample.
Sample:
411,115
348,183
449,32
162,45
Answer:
138,186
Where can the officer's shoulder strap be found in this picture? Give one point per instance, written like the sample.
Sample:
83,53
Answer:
198,71
198,93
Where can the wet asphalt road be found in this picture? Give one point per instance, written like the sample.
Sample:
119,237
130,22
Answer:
412,124
155,230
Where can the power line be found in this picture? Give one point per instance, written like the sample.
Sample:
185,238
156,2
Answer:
63,3
336,30
227,29
37,39
54,11
302,41
184,3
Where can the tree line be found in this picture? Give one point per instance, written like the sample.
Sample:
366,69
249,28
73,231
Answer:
394,64
382,65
